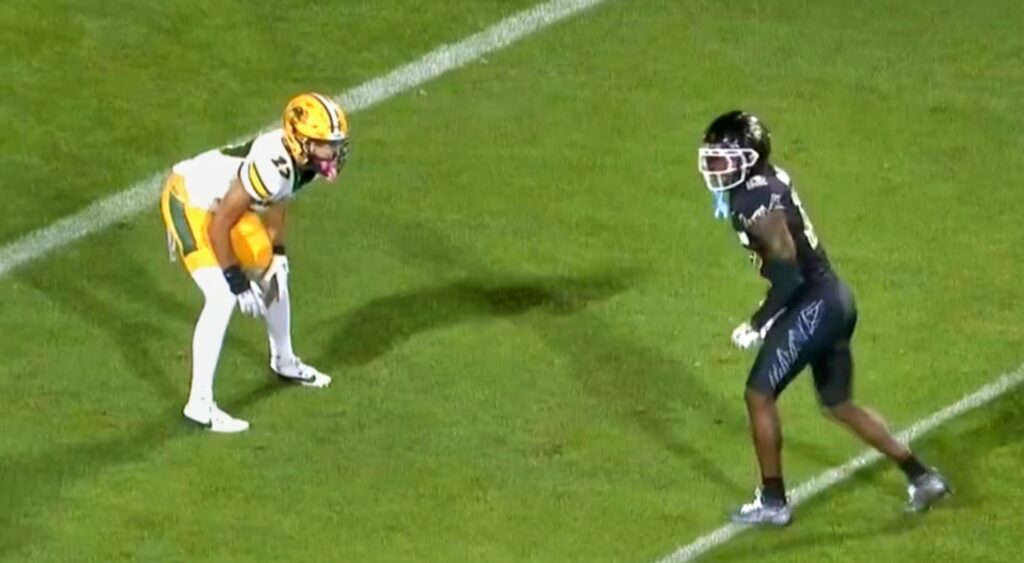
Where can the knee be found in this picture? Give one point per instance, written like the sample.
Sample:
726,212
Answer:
219,306
841,412
756,399
219,299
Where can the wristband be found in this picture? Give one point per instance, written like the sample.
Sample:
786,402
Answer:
237,280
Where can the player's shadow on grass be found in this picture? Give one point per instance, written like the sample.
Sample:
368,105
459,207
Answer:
377,327
778,542
123,299
31,483
954,452
639,383
958,454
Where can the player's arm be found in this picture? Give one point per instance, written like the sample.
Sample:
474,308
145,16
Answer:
274,220
231,208
778,265
262,179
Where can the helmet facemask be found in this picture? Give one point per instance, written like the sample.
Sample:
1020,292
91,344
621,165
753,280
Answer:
327,157
724,168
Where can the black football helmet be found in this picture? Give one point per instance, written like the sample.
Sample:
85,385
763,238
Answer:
735,145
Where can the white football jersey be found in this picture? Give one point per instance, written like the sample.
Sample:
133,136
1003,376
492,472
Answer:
263,165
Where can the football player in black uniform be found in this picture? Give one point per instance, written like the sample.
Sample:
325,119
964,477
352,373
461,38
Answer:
807,318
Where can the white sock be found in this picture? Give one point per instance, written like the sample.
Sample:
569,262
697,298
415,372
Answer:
208,338
279,328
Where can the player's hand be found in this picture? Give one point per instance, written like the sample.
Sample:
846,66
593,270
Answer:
745,337
250,301
276,277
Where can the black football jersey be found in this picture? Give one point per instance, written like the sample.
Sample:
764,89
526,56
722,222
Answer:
768,192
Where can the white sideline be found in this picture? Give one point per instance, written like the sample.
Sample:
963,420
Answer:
836,475
133,199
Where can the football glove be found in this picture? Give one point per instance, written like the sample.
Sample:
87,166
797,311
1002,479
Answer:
250,301
247,292
276,279
745,337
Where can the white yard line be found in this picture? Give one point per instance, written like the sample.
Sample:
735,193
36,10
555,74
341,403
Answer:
145,193
133,199
837,475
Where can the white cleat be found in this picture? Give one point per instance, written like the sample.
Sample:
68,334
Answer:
293,370
210,417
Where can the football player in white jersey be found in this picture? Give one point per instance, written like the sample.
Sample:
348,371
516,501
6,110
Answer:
224,211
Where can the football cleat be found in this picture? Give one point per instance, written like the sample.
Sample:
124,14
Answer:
294,370
759,513
210,417
925,490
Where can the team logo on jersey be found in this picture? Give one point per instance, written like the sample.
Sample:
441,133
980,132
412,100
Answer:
758,181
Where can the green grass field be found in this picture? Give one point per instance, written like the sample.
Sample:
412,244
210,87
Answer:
517,283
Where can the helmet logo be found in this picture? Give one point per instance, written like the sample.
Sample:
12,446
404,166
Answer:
756,130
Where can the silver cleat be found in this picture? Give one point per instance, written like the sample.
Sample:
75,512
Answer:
926,490
757,513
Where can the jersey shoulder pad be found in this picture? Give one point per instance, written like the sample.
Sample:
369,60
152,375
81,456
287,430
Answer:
760,195
267,172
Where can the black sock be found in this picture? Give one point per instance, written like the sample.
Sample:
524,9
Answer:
773,490
912,467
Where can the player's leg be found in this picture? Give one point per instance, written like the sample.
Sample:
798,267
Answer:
207,341
186,227
766,433
787,348
279,328
833,374
254,249
283,361
833,379
769,505
925,485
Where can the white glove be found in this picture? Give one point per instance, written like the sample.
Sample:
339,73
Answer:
250,301
276,279
745,337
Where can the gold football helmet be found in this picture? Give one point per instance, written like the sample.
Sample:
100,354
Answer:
316,133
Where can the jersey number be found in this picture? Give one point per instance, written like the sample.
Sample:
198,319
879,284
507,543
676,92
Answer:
285,170
812,238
